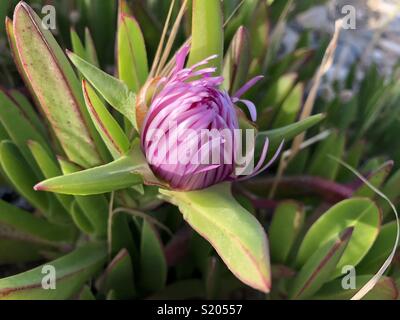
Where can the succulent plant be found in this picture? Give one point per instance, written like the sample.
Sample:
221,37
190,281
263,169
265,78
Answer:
116,224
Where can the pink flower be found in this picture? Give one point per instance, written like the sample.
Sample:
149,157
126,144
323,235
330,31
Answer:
189,132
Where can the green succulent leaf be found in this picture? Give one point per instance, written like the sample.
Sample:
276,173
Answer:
376,178
24,237
91,52
28,110
86,294
237,61
114,91
72,271
77,45
118,277
207,32
320,266
109,129
321,165
290,107
385,289
124,172
17,251
391,190
56,87
21,175
278,91
286,224
80,219
259,31
93,207
20,129
287,133
360,213
49,167
234,233
153,265
131,50
381,249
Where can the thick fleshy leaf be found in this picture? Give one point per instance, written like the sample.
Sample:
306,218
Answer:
131,50
237,61
109,129
320,266
86,294
17,251
56,87
16,57
25,237
80,219
233,232
392,191
49,167
381,249
19,129
23,178
77,45
72,271
360,213
91,52
125,172
385,289
21,175
278,91
93,207
115,92
290,107
321,165
353,158
153,265
286,223
376,178
287,133
207,32
118,277
259,31
101,16
28,110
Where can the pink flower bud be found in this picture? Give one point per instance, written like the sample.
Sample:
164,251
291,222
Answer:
189,132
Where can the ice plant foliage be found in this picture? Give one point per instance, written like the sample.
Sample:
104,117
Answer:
191,135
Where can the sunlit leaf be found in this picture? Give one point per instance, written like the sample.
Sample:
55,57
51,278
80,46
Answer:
234,233
360,213
286,223
115,92
121,173
321,165
118,277
109,129
153,266
132,56
385,289
72,271
56,87
207,32
319,266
